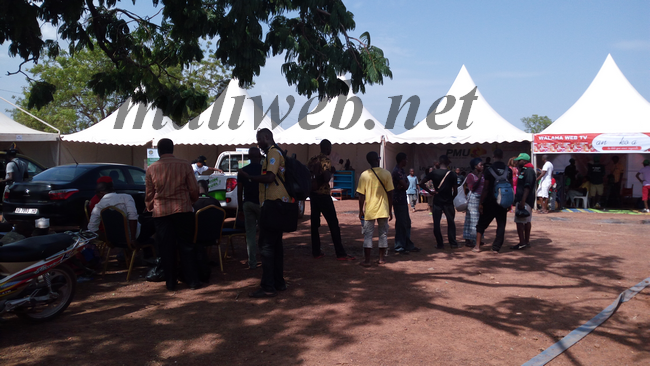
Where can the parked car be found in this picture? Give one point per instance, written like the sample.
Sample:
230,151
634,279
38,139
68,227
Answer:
223,187
33,167
59,193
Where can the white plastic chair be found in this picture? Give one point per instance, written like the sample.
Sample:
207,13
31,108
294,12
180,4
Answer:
584,199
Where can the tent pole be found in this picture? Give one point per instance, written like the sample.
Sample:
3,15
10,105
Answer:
532,154
58,151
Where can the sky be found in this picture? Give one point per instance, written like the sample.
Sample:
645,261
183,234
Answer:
526,57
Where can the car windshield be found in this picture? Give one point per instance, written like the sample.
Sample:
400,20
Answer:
66,173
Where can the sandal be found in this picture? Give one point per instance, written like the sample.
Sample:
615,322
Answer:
476,250
346,258
259,294
380,262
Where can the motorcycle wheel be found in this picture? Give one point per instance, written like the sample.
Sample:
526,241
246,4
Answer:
64,283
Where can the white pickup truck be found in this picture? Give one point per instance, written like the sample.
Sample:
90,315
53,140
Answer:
223,187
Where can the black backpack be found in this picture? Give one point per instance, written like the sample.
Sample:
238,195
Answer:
297,177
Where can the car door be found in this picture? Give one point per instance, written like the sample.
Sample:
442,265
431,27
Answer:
136,183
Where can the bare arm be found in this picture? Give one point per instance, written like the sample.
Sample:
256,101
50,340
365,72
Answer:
523,197
362,201
638,176
424,187
541,175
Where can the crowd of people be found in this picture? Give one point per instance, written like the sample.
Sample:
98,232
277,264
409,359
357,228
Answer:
486,193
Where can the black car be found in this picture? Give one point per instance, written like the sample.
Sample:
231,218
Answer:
33,167
59,193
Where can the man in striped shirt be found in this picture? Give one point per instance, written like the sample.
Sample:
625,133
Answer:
171,191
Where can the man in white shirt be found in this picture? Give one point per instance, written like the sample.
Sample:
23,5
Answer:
122,201
545,178
201,167
16,169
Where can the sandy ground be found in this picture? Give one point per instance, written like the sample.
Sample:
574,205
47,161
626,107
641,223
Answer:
430,308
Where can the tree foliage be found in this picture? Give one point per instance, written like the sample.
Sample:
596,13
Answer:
75,106
535,123
312,34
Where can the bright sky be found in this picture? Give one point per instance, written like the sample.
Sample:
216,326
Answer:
527,58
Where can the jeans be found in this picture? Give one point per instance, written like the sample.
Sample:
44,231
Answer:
402,228
272,254
369,228
492,210
251,217
412,199
174,233
450,213
322,203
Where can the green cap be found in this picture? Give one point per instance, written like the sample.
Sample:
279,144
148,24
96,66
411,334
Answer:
523,156
646,162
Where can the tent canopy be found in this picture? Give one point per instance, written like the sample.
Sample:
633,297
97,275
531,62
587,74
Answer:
230,120
610,117
609,105
485,125
133,124
325,114
13,131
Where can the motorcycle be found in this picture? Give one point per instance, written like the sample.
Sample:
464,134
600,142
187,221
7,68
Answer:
35,282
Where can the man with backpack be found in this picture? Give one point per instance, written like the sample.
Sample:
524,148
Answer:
375,190
498,185
273,193
320,201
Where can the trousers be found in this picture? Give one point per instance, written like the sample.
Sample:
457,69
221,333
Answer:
450,213
402,228
174,234
251,217
491,211
322,204
272,254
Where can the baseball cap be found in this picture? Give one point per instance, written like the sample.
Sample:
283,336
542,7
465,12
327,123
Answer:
523,156
202,159
646,162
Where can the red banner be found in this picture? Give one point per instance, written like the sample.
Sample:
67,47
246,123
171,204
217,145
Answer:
591,143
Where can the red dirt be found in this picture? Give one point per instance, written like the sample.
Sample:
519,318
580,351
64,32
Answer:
430,308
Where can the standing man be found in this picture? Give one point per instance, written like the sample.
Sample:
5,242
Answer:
320,201
617,172
524,200
444,184
488,207
248,199
403,243
645,181
171,189
375,190
412,191
271,188
16,170
571,175
596,174
545,178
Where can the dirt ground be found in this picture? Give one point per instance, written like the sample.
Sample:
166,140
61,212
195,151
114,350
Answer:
436,307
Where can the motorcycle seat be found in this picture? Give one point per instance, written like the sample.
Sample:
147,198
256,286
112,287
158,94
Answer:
35,248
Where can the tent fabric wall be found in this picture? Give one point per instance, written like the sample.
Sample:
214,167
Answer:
46,153
13,131
79,152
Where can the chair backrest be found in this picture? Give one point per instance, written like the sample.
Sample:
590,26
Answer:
116,227
208,224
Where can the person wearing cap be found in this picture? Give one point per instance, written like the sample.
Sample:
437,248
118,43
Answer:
524,200
201,167
545,178
596,175
98,196
645,173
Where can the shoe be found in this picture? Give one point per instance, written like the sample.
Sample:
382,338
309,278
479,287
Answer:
470,244
454,246
259,294
440,247
195,286
645,210
281,288
519,246
415,250
494,251
401,251
321,255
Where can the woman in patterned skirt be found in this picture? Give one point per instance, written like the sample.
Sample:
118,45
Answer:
475,182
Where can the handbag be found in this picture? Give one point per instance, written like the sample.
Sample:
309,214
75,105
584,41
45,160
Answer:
277,215
460,201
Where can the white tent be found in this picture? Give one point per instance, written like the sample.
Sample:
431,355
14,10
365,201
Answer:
133,124
485,125
230,120
13,131
611,117
40,146
119,138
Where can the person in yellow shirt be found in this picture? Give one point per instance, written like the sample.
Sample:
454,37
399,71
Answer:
375,191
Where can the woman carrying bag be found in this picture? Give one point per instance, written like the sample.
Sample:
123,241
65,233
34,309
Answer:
475,182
